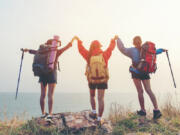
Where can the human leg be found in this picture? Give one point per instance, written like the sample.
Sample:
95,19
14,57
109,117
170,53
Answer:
51,96
156,112
42,97
93,114
147,87
139,88
101,93
92,98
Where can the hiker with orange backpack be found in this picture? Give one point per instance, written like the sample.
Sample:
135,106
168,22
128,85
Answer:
143,63
45,67
97,73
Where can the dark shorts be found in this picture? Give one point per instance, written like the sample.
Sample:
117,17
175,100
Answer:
48,78
140,76
98,86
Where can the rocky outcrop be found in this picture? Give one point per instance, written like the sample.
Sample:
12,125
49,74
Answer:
139,134
75,122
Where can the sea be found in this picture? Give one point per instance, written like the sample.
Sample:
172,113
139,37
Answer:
27,104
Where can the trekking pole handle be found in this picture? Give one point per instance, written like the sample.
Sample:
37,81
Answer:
165,50
22,49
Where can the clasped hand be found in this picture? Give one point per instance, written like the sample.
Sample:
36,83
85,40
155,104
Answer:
77,38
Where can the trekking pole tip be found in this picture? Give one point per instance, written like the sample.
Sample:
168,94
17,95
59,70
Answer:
16,97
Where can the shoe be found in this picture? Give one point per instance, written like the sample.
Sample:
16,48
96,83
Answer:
99,122
49,118
44,115
156,114
93,115
141,113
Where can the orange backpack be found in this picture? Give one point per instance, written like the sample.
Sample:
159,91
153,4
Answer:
96,70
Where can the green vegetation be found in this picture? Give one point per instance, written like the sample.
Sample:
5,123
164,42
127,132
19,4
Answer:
123,120
127,122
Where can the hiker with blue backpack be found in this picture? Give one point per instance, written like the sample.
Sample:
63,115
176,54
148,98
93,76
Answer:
45,66
143,63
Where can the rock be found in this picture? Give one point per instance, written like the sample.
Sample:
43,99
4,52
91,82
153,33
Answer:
139,134
131,134
75,122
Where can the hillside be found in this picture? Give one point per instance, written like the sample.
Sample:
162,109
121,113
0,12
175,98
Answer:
124,122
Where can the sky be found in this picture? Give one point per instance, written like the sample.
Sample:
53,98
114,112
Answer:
27,24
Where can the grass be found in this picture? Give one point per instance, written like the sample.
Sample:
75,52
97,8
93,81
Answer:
124,121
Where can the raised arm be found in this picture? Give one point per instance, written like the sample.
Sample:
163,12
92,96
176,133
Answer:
108,51
59,52
122,49
82,50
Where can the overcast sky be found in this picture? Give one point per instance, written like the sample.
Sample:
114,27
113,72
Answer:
29,23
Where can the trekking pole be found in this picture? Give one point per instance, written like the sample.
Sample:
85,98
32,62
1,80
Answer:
19,73
171,68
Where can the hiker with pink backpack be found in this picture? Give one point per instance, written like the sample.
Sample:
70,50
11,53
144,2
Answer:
45,67
143,63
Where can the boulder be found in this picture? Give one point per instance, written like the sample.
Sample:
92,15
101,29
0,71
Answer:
75,122
139,134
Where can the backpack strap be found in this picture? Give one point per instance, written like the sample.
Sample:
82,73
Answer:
58,66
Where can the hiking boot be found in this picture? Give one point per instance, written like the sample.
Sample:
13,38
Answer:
44,115
93,115
156,114
141,113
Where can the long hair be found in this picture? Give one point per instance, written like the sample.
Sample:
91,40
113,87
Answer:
49,42
137,42
94,45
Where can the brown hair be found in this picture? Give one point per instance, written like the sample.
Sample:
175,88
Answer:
49,42
94,45
137,41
